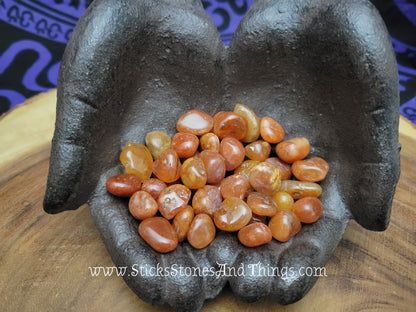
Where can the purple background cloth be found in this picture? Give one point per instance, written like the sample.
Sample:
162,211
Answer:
34,34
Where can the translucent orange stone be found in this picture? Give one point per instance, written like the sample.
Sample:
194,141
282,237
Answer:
313,169
284,225
258,150
142,205
265,178
182,222
157,142
232,215
233,152
207,200
209,141
230,124
246,167
285,169
271,131
154,187
123,185
159,234
261,204
255,234
235,185
173,199
168,166
307,209
253,123
300,189
194,174
185,144
202,231
137,160
283,200
215,166
291,150
195,122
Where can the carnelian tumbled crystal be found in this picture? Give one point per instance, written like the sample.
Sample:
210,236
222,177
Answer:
159,234
312,169
123,185
182,222
168,166
284,225
154,187
253,124
255,234
246,167
283,200
207,200
232,215
265,178
230,124
195,122
209,141
307,209
271,131
142,205
215,166
300,189
291,150
194,174
137,160
235,185
201,232
185,144
233,152
261,204
157,142
173,199
285,169
258,150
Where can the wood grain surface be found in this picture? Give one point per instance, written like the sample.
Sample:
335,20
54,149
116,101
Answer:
45,259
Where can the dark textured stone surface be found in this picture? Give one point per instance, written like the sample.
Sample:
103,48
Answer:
325,69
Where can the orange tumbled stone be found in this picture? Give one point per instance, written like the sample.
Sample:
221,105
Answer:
300,189
159,234
230,124
168,166
194,174
182,222
215,166
246,167
123,185
195,122
255,234
312,169
307,209
283,200
207,200
157,142
209,141
291,150
235,185
261,204
285,169
233,152
258,150
136,159
232,215
173,199
154,187
201,232
271,131
185,144
253,123
265,178
284,225
142,205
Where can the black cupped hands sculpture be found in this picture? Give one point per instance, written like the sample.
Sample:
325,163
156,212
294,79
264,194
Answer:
324,69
